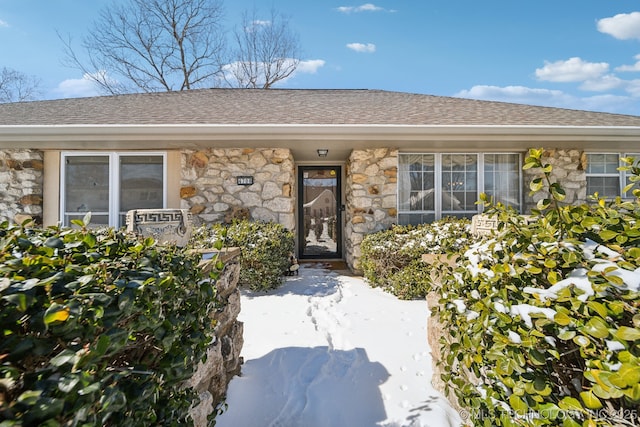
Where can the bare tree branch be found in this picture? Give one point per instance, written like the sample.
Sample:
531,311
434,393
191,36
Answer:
16,86
266,51
153,45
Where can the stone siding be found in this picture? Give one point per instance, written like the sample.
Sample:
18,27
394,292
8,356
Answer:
209,188
223,357
568,169
21,179
371,197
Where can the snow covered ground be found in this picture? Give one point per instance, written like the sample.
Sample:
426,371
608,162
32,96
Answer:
326,350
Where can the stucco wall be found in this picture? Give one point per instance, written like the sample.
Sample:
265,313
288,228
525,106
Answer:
209,188
21,178
371,197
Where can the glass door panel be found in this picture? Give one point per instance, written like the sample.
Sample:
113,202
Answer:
319,207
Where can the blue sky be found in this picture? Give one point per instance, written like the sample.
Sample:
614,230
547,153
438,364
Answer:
581,54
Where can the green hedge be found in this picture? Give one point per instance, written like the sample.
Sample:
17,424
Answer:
99,328
266,248
544,319
392,259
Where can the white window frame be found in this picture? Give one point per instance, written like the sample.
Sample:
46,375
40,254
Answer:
621,175
480,156
114,179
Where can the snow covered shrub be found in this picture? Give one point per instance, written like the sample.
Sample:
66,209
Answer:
99,328
265,247
392,259
544,319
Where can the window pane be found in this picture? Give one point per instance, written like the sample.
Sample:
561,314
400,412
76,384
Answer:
603,176
87,185
605,186
602,163
416,182
96,220
416,219
459,183
141,184
502,178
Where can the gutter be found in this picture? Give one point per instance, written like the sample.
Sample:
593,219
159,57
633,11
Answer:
181,135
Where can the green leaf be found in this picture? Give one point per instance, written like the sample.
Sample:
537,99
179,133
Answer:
630,373
29,397
56,313
596,327
54,242
557,192
90,240
22,301
607,235
590,400
633,393
570,404
543,204
562,319
87,219
598,308
537,358
65,356
570,422
581,340
92,388
628,334
536,184
103,344
518,405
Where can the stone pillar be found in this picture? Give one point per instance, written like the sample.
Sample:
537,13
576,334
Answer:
568,169
209,187
223,357
371,197
21,180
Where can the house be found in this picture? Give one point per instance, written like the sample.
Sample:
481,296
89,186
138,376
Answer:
387,157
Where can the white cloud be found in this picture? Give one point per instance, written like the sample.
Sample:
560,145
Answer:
310,66
361,47
77,88
4,23
603,83
572,70
553,98
367,7
634,67
260,22
623,26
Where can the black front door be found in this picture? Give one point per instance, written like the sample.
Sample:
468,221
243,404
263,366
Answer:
319,213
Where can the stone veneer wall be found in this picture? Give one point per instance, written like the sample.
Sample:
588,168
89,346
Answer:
209,188
21,180
212,377
371,197
568,169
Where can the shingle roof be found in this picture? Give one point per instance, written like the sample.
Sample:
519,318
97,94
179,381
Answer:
296,107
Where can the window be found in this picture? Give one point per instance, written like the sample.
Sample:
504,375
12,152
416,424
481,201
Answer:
432,186
603,175
108,184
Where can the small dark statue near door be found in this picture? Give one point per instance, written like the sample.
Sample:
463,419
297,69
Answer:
294,267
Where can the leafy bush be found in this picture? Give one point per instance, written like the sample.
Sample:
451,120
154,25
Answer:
265,250
544,319
99,328
392,259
